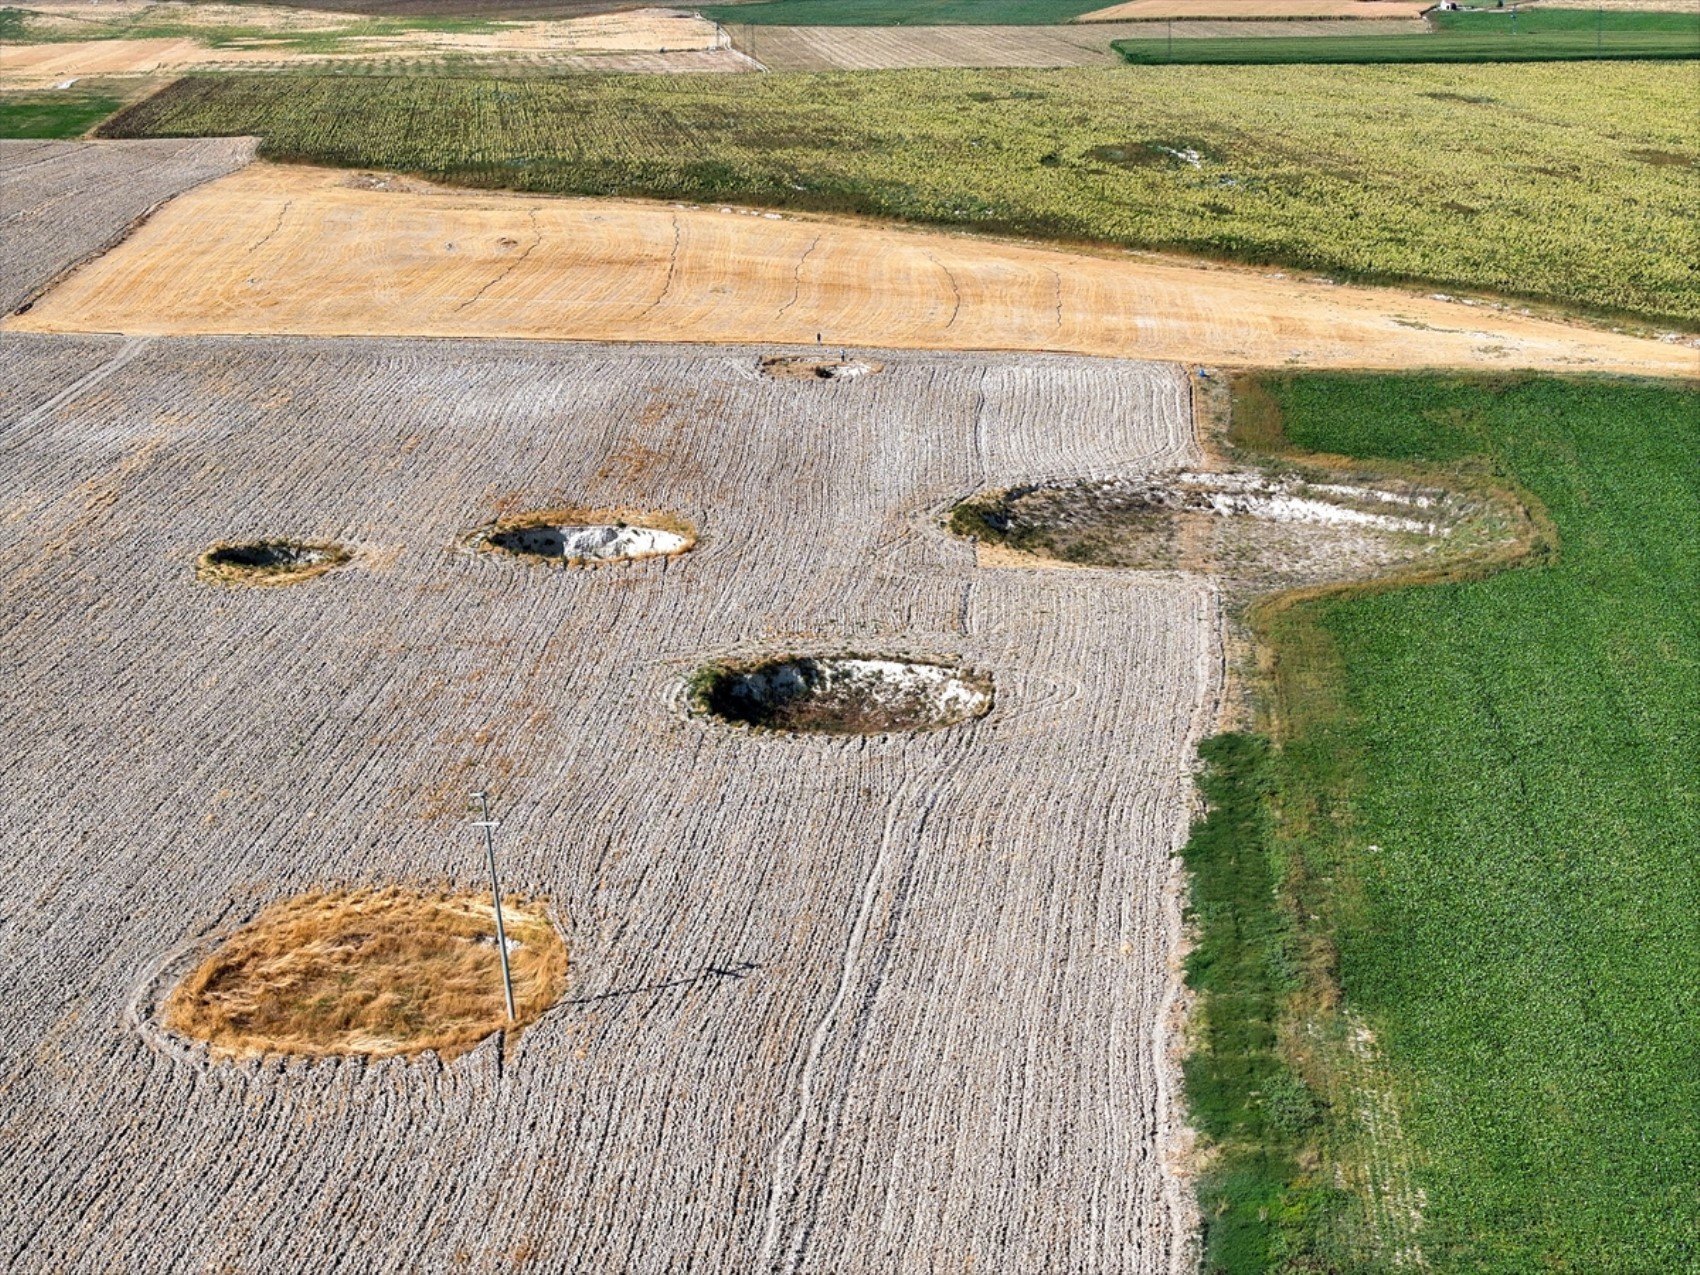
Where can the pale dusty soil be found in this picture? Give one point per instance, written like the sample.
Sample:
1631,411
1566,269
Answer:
645,31
1148,9
876,1006
894,48
29,66
275,249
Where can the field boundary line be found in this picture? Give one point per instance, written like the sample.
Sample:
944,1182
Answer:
136,223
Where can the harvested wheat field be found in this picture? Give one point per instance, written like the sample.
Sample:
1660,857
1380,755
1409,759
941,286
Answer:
294,250
827,48
891,1002
62,201
1162,10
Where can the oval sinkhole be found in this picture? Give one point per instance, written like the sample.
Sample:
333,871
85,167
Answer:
789,367
842,695
270,561
377,972
586,536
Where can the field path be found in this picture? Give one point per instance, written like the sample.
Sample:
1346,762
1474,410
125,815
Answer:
279,249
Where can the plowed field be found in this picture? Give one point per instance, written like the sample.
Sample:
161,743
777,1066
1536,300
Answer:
872,1004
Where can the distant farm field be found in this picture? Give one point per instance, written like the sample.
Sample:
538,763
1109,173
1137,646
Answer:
900,13
53,115
1531,36
1487,804
829,48
1408,173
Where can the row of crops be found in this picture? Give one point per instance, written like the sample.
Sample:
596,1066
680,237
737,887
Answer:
1571,183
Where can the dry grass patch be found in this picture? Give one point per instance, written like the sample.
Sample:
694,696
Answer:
372,972
268,562
573,536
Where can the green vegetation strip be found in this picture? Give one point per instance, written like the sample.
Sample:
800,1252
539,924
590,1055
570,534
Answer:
1259,1205
53,115
1568,183
1485,822
1494,36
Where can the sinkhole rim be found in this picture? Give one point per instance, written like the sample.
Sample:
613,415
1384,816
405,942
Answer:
271,560
370,972
816,368
940,694
488,538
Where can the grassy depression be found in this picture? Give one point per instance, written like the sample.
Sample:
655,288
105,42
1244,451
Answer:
1385,173
373,972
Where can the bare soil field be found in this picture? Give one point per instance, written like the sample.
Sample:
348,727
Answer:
62,201
1357,10
883,1003
895,48
296,250
574,44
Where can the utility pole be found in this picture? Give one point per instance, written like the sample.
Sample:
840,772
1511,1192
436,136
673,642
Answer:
488,824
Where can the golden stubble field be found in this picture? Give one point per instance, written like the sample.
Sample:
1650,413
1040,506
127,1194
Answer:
295,250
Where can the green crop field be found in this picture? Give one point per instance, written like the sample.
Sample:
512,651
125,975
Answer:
1569,183
902,13
1493,36
53,115
1485,816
